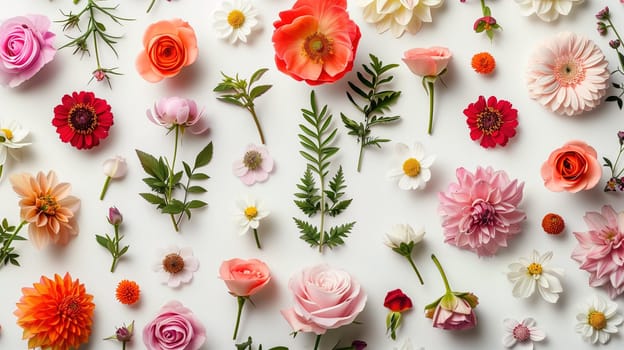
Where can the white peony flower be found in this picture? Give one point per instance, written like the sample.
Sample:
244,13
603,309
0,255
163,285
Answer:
398,16
235,20
522,333
413,171
534,273
598,319
547,10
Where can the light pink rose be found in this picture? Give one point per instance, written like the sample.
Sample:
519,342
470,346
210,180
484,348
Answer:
171,111
325,298
456,316
427,62
244,278
174,328
572,168
25,47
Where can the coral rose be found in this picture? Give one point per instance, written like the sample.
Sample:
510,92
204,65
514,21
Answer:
168,47
325,298
175,328
427,61
244,278
571,168
316,41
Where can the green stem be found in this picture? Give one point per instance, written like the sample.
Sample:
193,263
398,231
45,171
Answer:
172,174
317,342
241,302
252,110
7,243
359,164
123,345
150,6
116,253
94,28
437,264
615,31
483,7
409,258
322,226
105,188
257,239
431,96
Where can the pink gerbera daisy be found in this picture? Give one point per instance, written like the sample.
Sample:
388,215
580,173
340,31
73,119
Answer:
568,74
601,249
480,212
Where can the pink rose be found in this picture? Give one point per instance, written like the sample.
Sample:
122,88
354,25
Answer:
325,298
454,314
572,168
244,278
171,111
25,47
174,328
427,62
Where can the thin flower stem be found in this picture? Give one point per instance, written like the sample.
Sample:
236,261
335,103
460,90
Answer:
431,100
172,174
94,28
116,253
616,162
614,30
123,345
257,239
483,7
150,6
409,258
241,302
105,188
252,110
317,342
437,264
322,226
359,164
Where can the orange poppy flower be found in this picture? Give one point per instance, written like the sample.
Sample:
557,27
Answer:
55,314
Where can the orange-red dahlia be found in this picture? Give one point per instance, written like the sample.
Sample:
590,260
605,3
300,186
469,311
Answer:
82,119
316,41
47,206
55,314
128,292
483,63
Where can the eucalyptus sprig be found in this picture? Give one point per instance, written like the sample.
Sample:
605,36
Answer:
316,139
247,346
95,32
8,234
378,103
241,93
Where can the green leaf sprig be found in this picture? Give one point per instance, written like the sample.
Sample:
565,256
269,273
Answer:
8,234
326,199
241,93
247,346
112,243
96,32
163,179
378,103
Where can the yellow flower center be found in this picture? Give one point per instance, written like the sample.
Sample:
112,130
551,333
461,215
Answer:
47,204
597,320
535,269
251,212
7,133
173,263
317,47
411,167
236,19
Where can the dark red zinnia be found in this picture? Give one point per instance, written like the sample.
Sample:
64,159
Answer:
82,119
494,122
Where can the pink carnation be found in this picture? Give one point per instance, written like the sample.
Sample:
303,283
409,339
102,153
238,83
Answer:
601,249
480,212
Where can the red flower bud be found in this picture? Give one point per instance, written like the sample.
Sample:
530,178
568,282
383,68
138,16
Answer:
397,301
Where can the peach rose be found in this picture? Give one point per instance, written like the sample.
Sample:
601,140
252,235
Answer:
572,168
168,46
244,278
427,62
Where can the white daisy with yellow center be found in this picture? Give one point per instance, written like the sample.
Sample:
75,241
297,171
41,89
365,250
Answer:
598,319
533,274
412,167
235,20
250,212
12,136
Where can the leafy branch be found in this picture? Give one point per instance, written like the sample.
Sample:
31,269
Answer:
8,234
112,243
326,198
240,93
378,103
247,346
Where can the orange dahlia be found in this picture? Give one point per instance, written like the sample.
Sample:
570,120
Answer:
47,206
127,292
55,314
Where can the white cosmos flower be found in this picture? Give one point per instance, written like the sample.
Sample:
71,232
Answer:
598,319
250,212
235,20
12,136
534,273
176,265
412,167
547,10
398,16
403,233
522,334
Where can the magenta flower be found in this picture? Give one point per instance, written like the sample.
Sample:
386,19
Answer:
174,328
480,212
173,111
601,250
255,165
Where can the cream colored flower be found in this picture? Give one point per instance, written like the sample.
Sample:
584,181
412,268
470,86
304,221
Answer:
12,136
412,168
235,20
598,319
115,167
547,10
404,233
250,212
398,16
535,273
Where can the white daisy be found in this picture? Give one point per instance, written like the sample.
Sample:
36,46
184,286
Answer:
522,334
598,319
12,136
547,10
534,273
176,265
250,212
413,173
235,19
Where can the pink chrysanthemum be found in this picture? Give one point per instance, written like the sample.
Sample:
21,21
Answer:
601,249
480,212
568,74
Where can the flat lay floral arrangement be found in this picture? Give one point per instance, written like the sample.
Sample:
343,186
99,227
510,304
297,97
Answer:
371,174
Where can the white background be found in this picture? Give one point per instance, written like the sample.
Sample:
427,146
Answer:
378,204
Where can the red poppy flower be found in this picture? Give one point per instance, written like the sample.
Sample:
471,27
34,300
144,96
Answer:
82,119
494,122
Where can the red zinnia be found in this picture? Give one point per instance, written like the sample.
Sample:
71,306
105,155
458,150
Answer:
494,122
82,119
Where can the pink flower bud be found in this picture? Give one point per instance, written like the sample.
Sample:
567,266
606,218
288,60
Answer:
114,216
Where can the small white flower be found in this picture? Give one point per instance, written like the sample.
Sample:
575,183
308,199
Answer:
547,10
176,265
522,333
407,345
598,319
398,16
250,212
235,20
413,171
115,167
403,233
12,136
534,273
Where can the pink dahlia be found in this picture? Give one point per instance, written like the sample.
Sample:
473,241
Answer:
480,212
568,74
601,249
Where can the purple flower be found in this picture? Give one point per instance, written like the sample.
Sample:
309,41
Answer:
177,111
174,328
114,216
601,28
25,47
620,135
603,14
614,43
358,345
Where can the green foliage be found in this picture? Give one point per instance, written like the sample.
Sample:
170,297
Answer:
377,103
247,346
326,198
8,234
